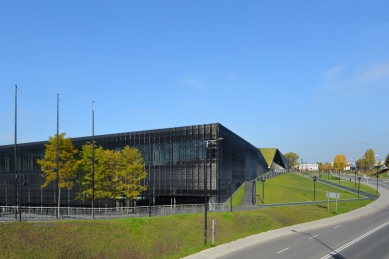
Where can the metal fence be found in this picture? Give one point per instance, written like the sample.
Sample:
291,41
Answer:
271,175
12,213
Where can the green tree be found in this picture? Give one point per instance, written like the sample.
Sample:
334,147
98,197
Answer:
340,162
292,159
117,173
106,182
85,170
387,160
327,166
370,158
361,163
131,171
67,164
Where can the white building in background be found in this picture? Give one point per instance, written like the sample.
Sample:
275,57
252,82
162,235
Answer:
309,167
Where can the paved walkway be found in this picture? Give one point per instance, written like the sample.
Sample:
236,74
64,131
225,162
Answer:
228,248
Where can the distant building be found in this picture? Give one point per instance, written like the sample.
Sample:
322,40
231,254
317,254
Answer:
308,167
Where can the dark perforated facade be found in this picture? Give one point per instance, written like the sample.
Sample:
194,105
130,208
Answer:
175,161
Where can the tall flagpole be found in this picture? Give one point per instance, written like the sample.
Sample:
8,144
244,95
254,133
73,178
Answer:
93,157
56,160
17,195
15,158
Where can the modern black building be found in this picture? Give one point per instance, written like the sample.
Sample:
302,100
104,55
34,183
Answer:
176,161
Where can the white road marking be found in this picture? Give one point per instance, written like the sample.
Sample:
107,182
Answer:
354,241
313,237
337,226
282,250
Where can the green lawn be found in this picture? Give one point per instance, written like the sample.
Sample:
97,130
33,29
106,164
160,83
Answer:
168,236
296,188
237,197
156,237
352,184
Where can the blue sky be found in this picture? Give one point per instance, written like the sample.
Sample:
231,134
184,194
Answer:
311,77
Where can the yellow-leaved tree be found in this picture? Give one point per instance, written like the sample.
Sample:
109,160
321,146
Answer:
130,172
340,162
117,174
67,164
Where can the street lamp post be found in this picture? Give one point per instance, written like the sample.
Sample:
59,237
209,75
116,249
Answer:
364,166
359,184
20,194
355,179
93,156
15,156
230,185
57,162
314,188
149,187
376,192
339,176
301,169
376,164
263,190
24,184
208,143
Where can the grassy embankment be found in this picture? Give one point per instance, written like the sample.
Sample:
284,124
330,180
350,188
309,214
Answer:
290,187
159,237
350,180
237,197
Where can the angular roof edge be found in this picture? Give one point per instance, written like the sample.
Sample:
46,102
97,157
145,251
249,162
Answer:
273,155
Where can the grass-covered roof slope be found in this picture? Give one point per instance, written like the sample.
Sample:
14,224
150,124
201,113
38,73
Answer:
268,154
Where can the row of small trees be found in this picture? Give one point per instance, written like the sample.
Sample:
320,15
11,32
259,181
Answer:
117,173
340,161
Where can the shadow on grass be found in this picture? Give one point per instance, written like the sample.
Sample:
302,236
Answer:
261,199
308,196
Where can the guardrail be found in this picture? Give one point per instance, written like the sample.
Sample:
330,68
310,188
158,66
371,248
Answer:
270,175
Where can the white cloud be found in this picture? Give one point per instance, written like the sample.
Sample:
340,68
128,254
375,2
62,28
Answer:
334,73
376,73
349,79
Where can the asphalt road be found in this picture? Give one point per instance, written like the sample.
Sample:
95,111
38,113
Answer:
349,239
358,234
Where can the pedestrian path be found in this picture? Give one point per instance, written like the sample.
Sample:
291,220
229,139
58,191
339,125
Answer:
365,194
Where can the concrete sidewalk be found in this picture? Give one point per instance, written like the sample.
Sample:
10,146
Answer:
231,247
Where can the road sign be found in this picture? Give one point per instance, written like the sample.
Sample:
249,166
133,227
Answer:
333,195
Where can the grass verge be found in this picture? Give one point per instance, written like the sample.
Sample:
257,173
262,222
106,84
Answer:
156,237
170,236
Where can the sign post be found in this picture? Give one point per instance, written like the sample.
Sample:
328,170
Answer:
333,195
